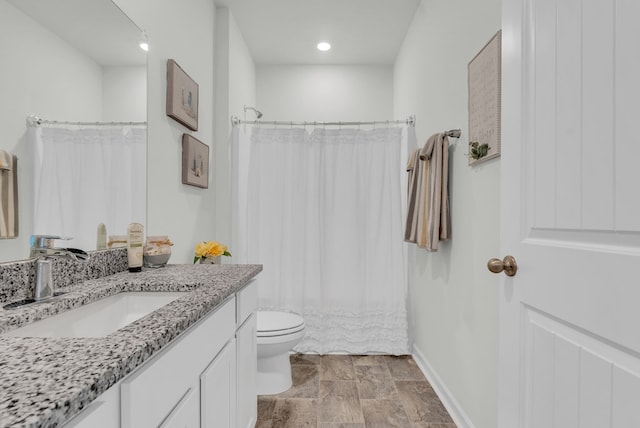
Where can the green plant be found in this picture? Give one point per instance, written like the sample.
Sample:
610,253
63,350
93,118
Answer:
477,150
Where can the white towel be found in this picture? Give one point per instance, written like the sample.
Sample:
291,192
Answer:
8,195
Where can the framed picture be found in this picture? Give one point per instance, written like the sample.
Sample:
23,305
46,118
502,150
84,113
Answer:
182,96
195,162
484,74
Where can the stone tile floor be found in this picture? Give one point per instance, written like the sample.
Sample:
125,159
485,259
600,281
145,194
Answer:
354,391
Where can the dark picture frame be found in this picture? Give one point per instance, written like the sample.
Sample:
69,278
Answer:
195,162
182,96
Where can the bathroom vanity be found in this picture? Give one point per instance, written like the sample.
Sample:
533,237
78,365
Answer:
189,363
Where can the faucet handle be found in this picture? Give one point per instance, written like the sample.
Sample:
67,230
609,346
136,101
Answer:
44,241
43,245
76,254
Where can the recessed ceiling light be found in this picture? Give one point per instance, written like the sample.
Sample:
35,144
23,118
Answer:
323,46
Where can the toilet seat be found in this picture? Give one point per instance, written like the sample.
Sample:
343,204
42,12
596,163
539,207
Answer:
273,324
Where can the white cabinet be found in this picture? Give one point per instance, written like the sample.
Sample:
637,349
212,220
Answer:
185,414
247,356
103,412
218,390
246,302
151,393
247,371
206,377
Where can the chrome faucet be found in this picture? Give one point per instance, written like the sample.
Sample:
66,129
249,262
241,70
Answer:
42,248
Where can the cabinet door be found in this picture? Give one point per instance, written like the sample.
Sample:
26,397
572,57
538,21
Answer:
185,414
152,392
247,369
218,390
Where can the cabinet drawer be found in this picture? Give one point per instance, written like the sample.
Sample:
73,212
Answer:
246,302
151,393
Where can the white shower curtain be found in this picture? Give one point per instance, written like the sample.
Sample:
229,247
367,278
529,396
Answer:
323,213
86,175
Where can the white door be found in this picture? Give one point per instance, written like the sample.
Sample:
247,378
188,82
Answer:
570,318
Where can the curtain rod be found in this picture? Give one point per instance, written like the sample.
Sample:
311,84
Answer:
33,120
235,121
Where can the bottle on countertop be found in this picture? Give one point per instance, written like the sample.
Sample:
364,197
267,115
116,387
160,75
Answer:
101,242
135,246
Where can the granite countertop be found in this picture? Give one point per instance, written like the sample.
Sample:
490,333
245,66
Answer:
45,381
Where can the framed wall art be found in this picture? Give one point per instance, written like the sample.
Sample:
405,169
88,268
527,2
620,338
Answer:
484,74
195,162
182,96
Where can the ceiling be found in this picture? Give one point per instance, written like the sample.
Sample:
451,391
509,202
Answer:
95,27
276,31
287,31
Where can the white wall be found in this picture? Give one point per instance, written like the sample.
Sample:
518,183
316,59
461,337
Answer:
33,58
242,72
455,301
183,31
235,87
124,92
324,92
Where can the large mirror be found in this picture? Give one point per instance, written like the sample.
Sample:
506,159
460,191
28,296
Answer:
64,60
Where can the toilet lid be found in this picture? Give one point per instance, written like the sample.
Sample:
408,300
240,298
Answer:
278,323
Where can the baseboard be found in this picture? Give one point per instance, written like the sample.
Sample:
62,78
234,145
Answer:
448,400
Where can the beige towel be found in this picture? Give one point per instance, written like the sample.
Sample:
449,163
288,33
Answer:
8,195
415,184
428,216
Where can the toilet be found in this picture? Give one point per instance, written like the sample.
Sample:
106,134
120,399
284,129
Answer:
278,333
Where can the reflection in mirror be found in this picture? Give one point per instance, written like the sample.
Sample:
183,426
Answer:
71,61
90,174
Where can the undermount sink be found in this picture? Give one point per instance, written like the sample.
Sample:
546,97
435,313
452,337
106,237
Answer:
100,318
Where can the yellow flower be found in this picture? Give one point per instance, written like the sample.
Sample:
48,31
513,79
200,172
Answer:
210,249
201,248
216,250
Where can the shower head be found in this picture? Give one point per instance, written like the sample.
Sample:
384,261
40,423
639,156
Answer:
257,112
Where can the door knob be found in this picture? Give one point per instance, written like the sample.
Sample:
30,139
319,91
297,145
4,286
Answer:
508,265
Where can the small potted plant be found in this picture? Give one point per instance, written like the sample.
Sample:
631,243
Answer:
478,151
210,252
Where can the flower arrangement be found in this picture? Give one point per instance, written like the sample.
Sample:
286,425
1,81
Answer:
204,250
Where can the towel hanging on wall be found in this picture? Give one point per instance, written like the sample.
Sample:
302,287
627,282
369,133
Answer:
428,215
8,195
